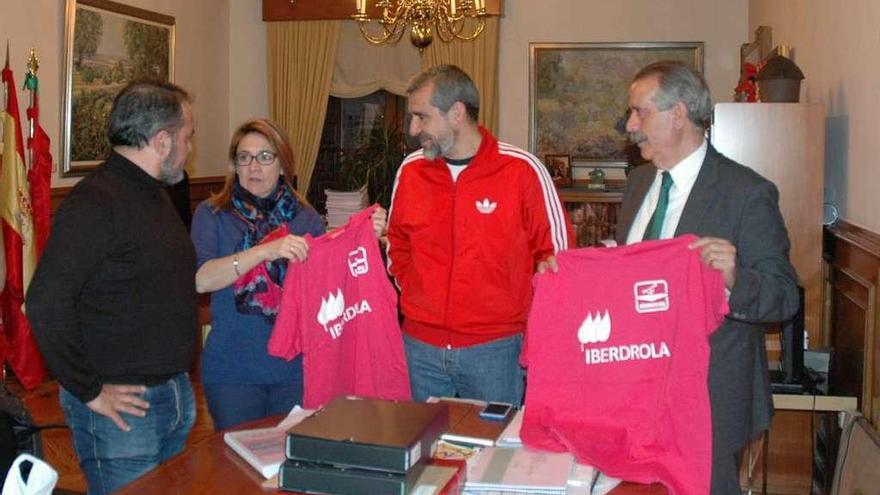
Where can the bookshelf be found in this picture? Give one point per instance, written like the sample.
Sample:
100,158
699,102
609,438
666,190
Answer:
593,214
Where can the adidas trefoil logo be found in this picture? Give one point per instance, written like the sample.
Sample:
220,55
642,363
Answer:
485,206
595,328
333,315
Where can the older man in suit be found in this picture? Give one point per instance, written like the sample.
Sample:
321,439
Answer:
691,188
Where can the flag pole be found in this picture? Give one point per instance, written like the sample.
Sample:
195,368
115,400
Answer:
6,66
5,101
30,83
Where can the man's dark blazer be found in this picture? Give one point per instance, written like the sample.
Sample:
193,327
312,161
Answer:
733,202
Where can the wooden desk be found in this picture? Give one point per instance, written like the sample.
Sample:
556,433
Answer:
782,460
210,467
815,403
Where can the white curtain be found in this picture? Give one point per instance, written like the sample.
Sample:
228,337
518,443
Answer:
362,68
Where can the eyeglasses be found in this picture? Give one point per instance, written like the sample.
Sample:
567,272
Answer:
265,158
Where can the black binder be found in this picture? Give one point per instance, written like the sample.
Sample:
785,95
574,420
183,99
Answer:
368,434
301,476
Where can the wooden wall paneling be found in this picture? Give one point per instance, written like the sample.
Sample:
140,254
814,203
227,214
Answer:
785,142
312,10
56,196
828,294
200,188
850,315
871,407
853,256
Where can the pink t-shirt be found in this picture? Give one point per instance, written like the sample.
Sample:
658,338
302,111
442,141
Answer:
617,349
340,311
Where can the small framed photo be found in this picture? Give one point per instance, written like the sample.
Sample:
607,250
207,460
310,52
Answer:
559,167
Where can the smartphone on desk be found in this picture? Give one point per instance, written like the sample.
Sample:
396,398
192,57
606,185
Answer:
496,411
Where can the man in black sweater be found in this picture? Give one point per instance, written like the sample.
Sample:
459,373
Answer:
112,303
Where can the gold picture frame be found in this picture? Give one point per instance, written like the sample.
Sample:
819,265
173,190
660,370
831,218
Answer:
106,46
578,93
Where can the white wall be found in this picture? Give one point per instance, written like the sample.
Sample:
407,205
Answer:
221,53
248,78
720,24
836,45
201,66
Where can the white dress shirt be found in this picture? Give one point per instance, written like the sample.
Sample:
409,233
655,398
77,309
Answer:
684,174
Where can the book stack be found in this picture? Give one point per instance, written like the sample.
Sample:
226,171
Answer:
263,448
341,205
358,445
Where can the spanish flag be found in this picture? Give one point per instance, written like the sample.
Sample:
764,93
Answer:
40,173
20,249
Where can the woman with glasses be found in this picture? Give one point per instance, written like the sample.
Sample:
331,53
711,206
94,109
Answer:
244,238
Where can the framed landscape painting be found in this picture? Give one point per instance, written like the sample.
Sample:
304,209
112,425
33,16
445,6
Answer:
578,94
106,46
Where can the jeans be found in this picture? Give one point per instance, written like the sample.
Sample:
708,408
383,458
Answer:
233,404
110,457
489,372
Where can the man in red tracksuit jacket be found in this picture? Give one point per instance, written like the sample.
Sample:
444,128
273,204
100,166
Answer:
471,220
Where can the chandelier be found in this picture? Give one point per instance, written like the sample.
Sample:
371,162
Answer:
445,17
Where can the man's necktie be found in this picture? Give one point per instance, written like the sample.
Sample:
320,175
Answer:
655,226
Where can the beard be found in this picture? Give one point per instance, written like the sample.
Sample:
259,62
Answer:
169,172
431,152
432,147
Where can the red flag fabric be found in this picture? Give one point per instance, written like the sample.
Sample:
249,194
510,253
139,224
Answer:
40,177
22,353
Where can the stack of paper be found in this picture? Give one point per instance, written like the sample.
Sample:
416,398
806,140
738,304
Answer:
342,205
519,471
263,448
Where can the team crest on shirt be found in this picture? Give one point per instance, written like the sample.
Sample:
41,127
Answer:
485,206
595,330
333,315
357,262
651,296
